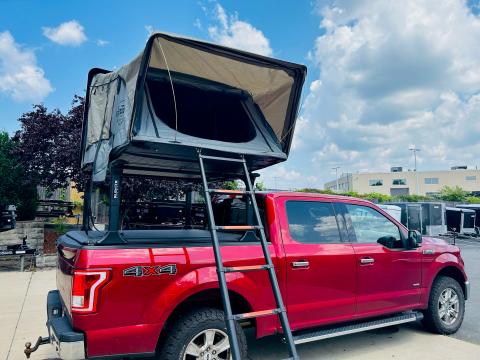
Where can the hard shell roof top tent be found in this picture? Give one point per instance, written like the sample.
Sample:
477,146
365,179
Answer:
181,94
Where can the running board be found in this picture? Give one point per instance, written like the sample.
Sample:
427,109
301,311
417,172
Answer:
358,327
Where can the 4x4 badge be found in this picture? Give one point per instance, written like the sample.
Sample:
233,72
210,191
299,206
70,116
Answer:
139,271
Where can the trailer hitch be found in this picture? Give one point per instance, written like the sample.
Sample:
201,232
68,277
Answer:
40,341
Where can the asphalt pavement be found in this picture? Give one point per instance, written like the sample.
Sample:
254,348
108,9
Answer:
470,330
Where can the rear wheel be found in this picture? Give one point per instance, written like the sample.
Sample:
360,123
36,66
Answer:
200,335
446,306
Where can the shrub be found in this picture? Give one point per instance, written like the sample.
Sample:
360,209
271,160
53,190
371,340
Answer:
455,193
473,199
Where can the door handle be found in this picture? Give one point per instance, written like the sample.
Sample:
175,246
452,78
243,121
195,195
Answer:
300,264
367,260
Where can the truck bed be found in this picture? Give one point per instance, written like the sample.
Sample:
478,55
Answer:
165,236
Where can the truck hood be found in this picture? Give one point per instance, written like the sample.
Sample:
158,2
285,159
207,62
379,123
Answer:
439,245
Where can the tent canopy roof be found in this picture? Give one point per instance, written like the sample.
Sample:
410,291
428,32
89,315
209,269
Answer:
273,85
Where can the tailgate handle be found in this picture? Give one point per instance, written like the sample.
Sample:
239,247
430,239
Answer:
367,260
300,264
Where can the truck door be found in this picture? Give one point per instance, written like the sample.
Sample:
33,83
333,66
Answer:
320,263
389,275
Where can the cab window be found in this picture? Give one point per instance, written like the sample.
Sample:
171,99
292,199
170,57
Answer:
312,222
370,226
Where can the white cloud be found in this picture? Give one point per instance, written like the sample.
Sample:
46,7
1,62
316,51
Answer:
389,74
198,24
232,32
150,29
101,42
20,76
70,33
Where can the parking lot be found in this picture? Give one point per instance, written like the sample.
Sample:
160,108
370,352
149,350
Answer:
22,319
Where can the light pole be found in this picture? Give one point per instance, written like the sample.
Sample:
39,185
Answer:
336,176
415,150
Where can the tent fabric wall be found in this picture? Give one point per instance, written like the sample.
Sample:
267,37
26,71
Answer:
116,104
269,87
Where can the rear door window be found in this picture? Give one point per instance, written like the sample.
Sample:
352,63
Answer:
312,222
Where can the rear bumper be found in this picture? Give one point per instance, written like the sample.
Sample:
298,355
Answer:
69,344
467,290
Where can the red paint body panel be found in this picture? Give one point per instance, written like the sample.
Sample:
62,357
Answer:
334,288
391,284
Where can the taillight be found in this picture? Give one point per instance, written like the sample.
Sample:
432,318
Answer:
85,288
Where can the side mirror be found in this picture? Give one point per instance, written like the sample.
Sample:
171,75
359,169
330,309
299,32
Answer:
414,239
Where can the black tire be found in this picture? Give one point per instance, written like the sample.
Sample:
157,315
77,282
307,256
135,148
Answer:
432,320
188,326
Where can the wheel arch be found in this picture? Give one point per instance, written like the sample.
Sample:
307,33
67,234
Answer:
205,298
454,273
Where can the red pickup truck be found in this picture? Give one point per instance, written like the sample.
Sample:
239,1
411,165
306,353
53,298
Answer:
343,266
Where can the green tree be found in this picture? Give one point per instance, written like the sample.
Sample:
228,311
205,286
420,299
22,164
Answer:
15,188
230,185
318,191
455,193
10,171
260,186
376,197
412,198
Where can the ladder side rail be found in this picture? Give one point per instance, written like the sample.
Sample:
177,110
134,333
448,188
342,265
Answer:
271,270
230,321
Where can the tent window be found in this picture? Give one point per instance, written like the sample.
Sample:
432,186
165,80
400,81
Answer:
205,109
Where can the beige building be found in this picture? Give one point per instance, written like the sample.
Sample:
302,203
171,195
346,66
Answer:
399,182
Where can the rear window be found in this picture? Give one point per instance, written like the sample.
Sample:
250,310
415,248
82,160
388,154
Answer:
312,222
236,210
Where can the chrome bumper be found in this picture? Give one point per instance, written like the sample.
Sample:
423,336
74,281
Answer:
467,290
69,344
74,350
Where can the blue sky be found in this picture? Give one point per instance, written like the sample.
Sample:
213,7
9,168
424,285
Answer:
383,75
123,25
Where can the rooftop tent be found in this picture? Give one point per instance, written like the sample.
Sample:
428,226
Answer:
181,94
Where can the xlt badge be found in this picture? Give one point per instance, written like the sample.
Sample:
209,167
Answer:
139,271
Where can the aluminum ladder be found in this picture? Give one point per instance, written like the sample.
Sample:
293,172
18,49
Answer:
230,318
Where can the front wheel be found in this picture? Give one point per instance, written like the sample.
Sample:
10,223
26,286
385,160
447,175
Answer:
446,307
200,335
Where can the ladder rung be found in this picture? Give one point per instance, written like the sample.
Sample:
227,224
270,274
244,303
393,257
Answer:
247,268
239,227
256,314
226,191
218,158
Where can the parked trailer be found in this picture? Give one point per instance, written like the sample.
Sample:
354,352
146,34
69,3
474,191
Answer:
460,220
411,214
394,210
433,218
426,217
476,208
